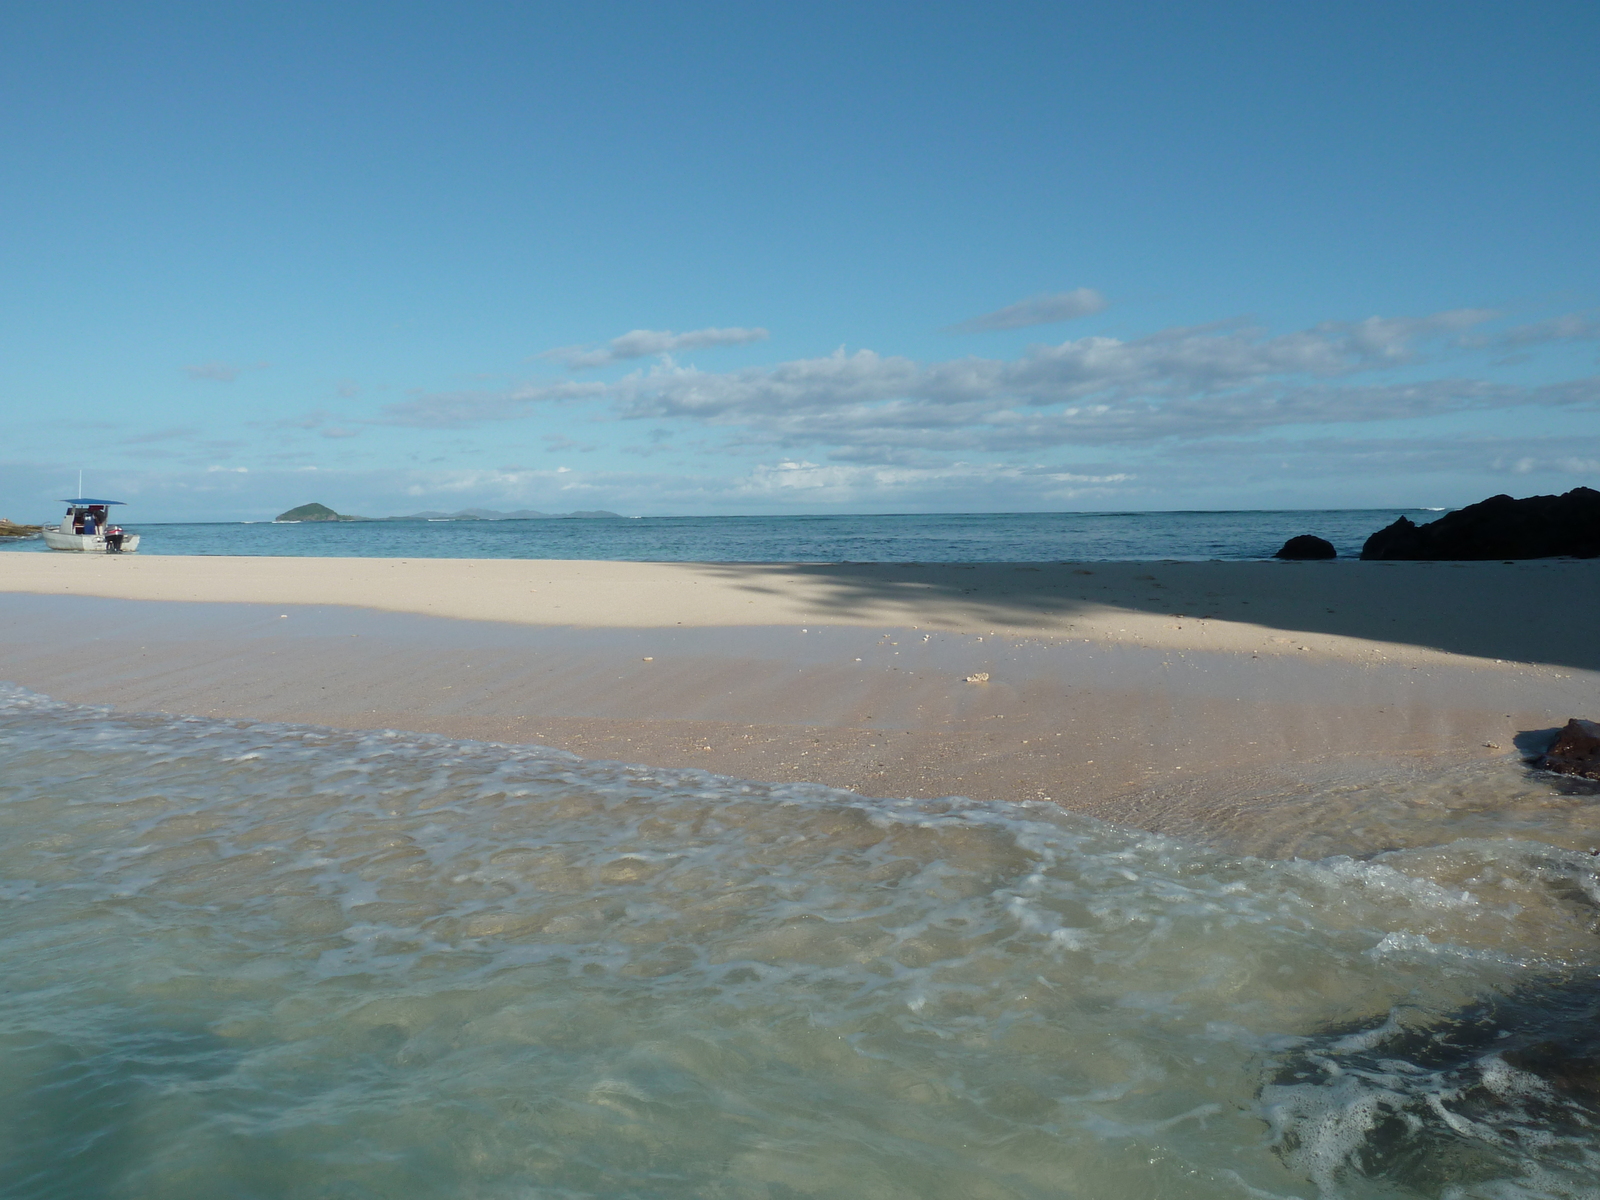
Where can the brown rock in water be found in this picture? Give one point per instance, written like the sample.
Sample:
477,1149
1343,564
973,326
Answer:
1307,546
1576,750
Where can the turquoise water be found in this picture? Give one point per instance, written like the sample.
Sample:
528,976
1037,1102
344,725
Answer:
252,960
970,537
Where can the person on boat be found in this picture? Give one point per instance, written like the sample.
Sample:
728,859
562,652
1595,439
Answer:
90,525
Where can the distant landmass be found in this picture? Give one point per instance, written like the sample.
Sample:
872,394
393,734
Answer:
321,512
314,512
494,514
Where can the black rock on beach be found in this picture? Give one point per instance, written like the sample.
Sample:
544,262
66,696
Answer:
1499,527
1307,546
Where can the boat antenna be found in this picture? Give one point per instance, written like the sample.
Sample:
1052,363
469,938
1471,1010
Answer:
80,481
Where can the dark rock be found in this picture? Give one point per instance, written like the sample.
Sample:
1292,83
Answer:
1307,546
1364,1099
1576,750
1499,527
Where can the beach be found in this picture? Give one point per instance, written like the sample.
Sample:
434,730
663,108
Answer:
1142,692
760,881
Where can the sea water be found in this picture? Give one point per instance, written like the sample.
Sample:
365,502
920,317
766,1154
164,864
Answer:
252,960
936,537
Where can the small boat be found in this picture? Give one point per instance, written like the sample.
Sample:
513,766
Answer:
87,528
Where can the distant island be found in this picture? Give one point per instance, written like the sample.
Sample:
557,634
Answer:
321,512
314,512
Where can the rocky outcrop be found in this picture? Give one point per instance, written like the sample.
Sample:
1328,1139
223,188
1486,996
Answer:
1499,527
1576,750
1360,1101
1307,546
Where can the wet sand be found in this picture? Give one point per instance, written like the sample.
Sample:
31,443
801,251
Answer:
1131,691
1540,611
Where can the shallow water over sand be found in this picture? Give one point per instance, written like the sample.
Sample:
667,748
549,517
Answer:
277,961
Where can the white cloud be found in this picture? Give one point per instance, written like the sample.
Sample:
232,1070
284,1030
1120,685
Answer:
1173,364
1186,383
645,343
1569,327
1036,310
1223,380
835,483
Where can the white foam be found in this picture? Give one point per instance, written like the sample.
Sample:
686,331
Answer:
507,970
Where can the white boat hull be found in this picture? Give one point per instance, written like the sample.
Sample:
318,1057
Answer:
88,543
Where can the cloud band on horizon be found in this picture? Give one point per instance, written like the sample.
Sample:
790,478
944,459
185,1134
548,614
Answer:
1036,310
645,343
1227,379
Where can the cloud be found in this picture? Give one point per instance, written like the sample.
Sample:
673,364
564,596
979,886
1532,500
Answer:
221,372
644,343
843,483
1185,384
1357,455
459,410
172,433
555,443
1094,373
1036,310
1571,327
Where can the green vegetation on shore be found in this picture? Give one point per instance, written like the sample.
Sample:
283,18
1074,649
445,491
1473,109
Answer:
10,529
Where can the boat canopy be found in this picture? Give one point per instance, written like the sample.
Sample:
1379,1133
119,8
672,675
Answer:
85,502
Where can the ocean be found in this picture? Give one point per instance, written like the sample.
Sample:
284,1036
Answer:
942,537
275,961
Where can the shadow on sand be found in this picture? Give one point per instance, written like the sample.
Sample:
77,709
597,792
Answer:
1542,612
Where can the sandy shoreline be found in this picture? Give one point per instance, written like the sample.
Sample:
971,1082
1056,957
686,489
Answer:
1539,611
1108,683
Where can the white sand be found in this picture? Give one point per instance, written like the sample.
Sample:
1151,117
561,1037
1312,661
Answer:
1109,684
1531,612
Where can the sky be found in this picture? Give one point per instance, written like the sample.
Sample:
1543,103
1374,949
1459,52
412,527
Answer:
706,258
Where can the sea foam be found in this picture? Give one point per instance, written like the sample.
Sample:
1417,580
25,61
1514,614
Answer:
268,960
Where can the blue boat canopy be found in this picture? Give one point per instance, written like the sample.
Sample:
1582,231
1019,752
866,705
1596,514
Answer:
85,502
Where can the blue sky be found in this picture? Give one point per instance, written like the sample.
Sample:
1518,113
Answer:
733,258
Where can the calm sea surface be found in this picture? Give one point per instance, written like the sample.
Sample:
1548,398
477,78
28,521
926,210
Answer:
959,537
269,961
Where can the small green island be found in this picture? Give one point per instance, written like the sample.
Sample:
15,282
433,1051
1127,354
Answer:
314,512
